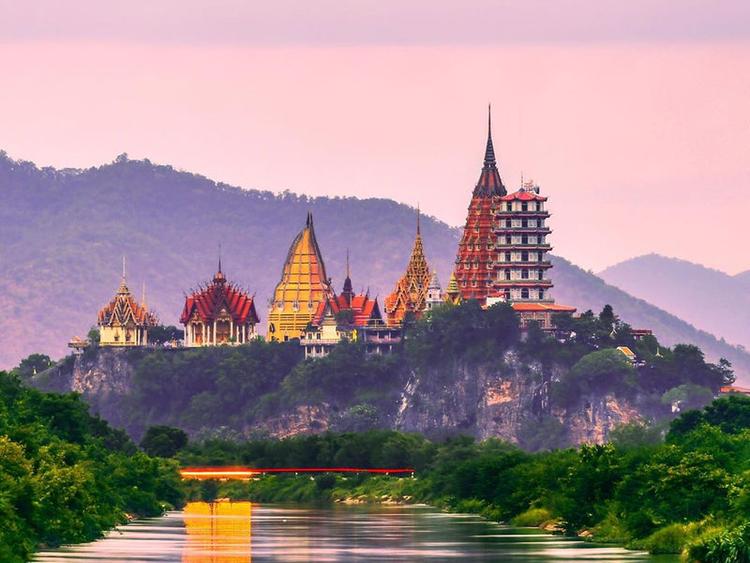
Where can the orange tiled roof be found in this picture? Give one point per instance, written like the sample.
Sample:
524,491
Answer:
123,310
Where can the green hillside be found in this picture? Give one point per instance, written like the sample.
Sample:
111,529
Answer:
64,233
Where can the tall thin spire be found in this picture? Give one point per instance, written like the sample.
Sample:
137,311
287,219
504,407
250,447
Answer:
419,214
123,268
489,153
489,181
220,259
347,263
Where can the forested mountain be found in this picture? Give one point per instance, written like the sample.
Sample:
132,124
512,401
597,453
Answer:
64,233
709,299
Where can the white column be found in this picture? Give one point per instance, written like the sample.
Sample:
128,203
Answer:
205,334
213,336
231,330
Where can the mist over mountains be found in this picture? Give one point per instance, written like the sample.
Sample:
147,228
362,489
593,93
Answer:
64,233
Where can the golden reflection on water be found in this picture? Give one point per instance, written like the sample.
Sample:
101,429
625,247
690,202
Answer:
218,532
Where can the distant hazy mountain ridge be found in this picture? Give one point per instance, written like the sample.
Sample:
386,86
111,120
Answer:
64,233
710,299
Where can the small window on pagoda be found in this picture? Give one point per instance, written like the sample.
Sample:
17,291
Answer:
524,274
507,239
541,294
473,283
524,256
507,256
506,294
295,305
508,223
509,207
524,223
525,293
507,274
524,239
540,275
524,206
541,256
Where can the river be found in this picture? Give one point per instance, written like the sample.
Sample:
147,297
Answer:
241,532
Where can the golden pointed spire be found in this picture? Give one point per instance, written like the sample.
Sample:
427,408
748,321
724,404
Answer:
303,286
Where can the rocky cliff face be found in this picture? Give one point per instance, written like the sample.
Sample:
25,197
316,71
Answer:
503,401
102,377
508,399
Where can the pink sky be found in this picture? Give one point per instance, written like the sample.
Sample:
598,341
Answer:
641,143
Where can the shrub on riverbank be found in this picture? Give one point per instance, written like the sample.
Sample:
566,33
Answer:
66,476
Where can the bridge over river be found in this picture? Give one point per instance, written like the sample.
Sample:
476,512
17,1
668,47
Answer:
247,473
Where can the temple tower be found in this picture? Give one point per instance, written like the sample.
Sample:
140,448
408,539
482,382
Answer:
522,247
476,251
122,321
434,292
303,287
410,293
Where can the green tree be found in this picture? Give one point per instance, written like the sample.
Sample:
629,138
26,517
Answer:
33,364
163,441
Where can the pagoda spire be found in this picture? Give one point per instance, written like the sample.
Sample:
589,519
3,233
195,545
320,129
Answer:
489,152
348,291
489,183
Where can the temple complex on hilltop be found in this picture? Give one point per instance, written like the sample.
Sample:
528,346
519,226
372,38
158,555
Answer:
410,294
351,317
303,287
124,322
502,255
219,313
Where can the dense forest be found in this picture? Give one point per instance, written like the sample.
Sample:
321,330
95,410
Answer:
686,492
65,232
67,476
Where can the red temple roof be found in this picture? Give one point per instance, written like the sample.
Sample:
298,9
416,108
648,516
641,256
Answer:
523,195
364,310
219,295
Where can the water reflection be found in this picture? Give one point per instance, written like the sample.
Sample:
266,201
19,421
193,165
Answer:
218,532
227,532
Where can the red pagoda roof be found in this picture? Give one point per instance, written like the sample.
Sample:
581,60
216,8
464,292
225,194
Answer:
209,301
363,308
523,195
